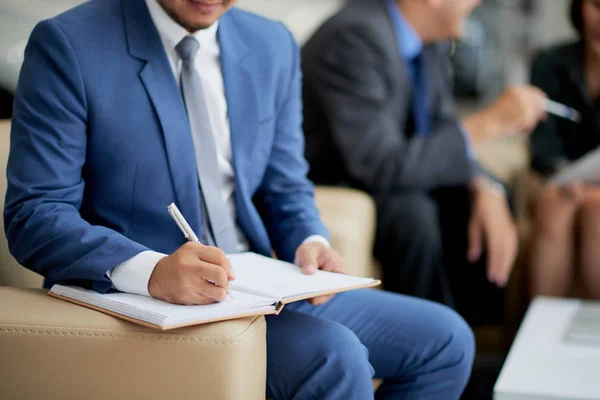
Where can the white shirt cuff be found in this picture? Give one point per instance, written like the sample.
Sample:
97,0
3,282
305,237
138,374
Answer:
317,239
133,275
468,143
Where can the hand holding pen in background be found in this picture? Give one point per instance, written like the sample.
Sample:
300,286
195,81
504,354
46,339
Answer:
560,110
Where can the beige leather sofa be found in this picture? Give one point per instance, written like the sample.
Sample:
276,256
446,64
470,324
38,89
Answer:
50,349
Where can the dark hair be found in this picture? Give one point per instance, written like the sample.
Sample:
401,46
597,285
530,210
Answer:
576,15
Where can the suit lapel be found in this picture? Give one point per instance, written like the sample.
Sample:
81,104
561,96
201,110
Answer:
243,102
241,93
157,76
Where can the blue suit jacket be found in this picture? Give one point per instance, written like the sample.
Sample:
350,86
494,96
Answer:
101,144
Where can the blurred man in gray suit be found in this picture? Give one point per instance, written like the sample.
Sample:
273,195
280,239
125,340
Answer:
379,116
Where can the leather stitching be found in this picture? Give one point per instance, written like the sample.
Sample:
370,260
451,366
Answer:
174,338
251,327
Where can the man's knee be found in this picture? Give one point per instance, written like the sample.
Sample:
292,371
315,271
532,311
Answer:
324,359
459,349
344,352
343,361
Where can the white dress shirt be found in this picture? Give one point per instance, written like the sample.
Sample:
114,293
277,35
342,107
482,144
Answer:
132,276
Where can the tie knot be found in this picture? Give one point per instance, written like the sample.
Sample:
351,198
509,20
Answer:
187,48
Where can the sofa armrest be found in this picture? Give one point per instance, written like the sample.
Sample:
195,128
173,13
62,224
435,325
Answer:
52,349
350,217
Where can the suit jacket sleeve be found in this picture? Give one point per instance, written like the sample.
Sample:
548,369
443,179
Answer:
547,150
286,197
44,228
348,75
445,110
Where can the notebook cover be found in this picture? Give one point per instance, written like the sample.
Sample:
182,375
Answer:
168,327
289,300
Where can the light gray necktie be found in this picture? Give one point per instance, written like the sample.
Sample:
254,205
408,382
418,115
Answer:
216,219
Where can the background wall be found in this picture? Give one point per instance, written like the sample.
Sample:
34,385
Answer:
302,17
552,24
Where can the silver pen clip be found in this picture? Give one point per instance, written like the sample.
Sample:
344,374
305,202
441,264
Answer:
176,219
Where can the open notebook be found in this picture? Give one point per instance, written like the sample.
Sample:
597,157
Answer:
585,170
262,286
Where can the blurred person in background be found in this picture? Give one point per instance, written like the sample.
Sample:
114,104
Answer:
567,219
380,117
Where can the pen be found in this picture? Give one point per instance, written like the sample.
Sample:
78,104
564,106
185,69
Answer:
188,233
560,110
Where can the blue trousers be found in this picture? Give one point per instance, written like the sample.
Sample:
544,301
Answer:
421,350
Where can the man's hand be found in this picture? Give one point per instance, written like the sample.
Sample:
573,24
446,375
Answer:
491,223
185,276
518,110
313,256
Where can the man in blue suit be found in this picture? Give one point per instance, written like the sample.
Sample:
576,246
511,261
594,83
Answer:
125,106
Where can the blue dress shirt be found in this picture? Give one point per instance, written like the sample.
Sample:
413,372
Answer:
411,49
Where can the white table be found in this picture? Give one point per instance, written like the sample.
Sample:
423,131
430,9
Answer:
542,365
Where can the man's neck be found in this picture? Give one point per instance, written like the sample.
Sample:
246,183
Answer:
592,59
415,13
592,78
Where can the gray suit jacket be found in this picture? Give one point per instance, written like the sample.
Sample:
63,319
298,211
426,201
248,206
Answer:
358,108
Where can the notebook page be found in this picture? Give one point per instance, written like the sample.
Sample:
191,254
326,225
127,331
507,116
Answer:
267,277
584,169
160,312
